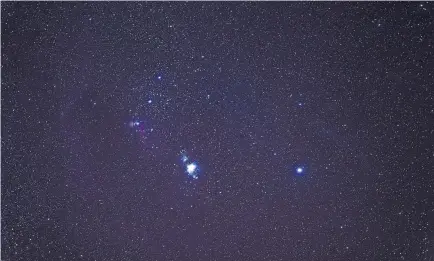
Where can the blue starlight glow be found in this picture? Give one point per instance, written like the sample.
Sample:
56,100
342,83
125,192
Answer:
191,168
299,170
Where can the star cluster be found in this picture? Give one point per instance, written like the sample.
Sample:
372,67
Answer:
217,131
191,167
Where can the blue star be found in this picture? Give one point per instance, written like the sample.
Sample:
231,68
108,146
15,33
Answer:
191,167
192,170
299,170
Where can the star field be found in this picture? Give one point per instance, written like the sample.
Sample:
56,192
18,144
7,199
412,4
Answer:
217,131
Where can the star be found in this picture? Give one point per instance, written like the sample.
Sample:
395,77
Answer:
191,168
291,132
134,123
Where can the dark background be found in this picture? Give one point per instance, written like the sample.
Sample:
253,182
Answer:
250,91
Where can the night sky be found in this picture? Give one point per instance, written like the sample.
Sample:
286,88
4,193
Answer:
217,131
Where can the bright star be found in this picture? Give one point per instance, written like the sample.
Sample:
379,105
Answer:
159,77
150,101
191,168
299,170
